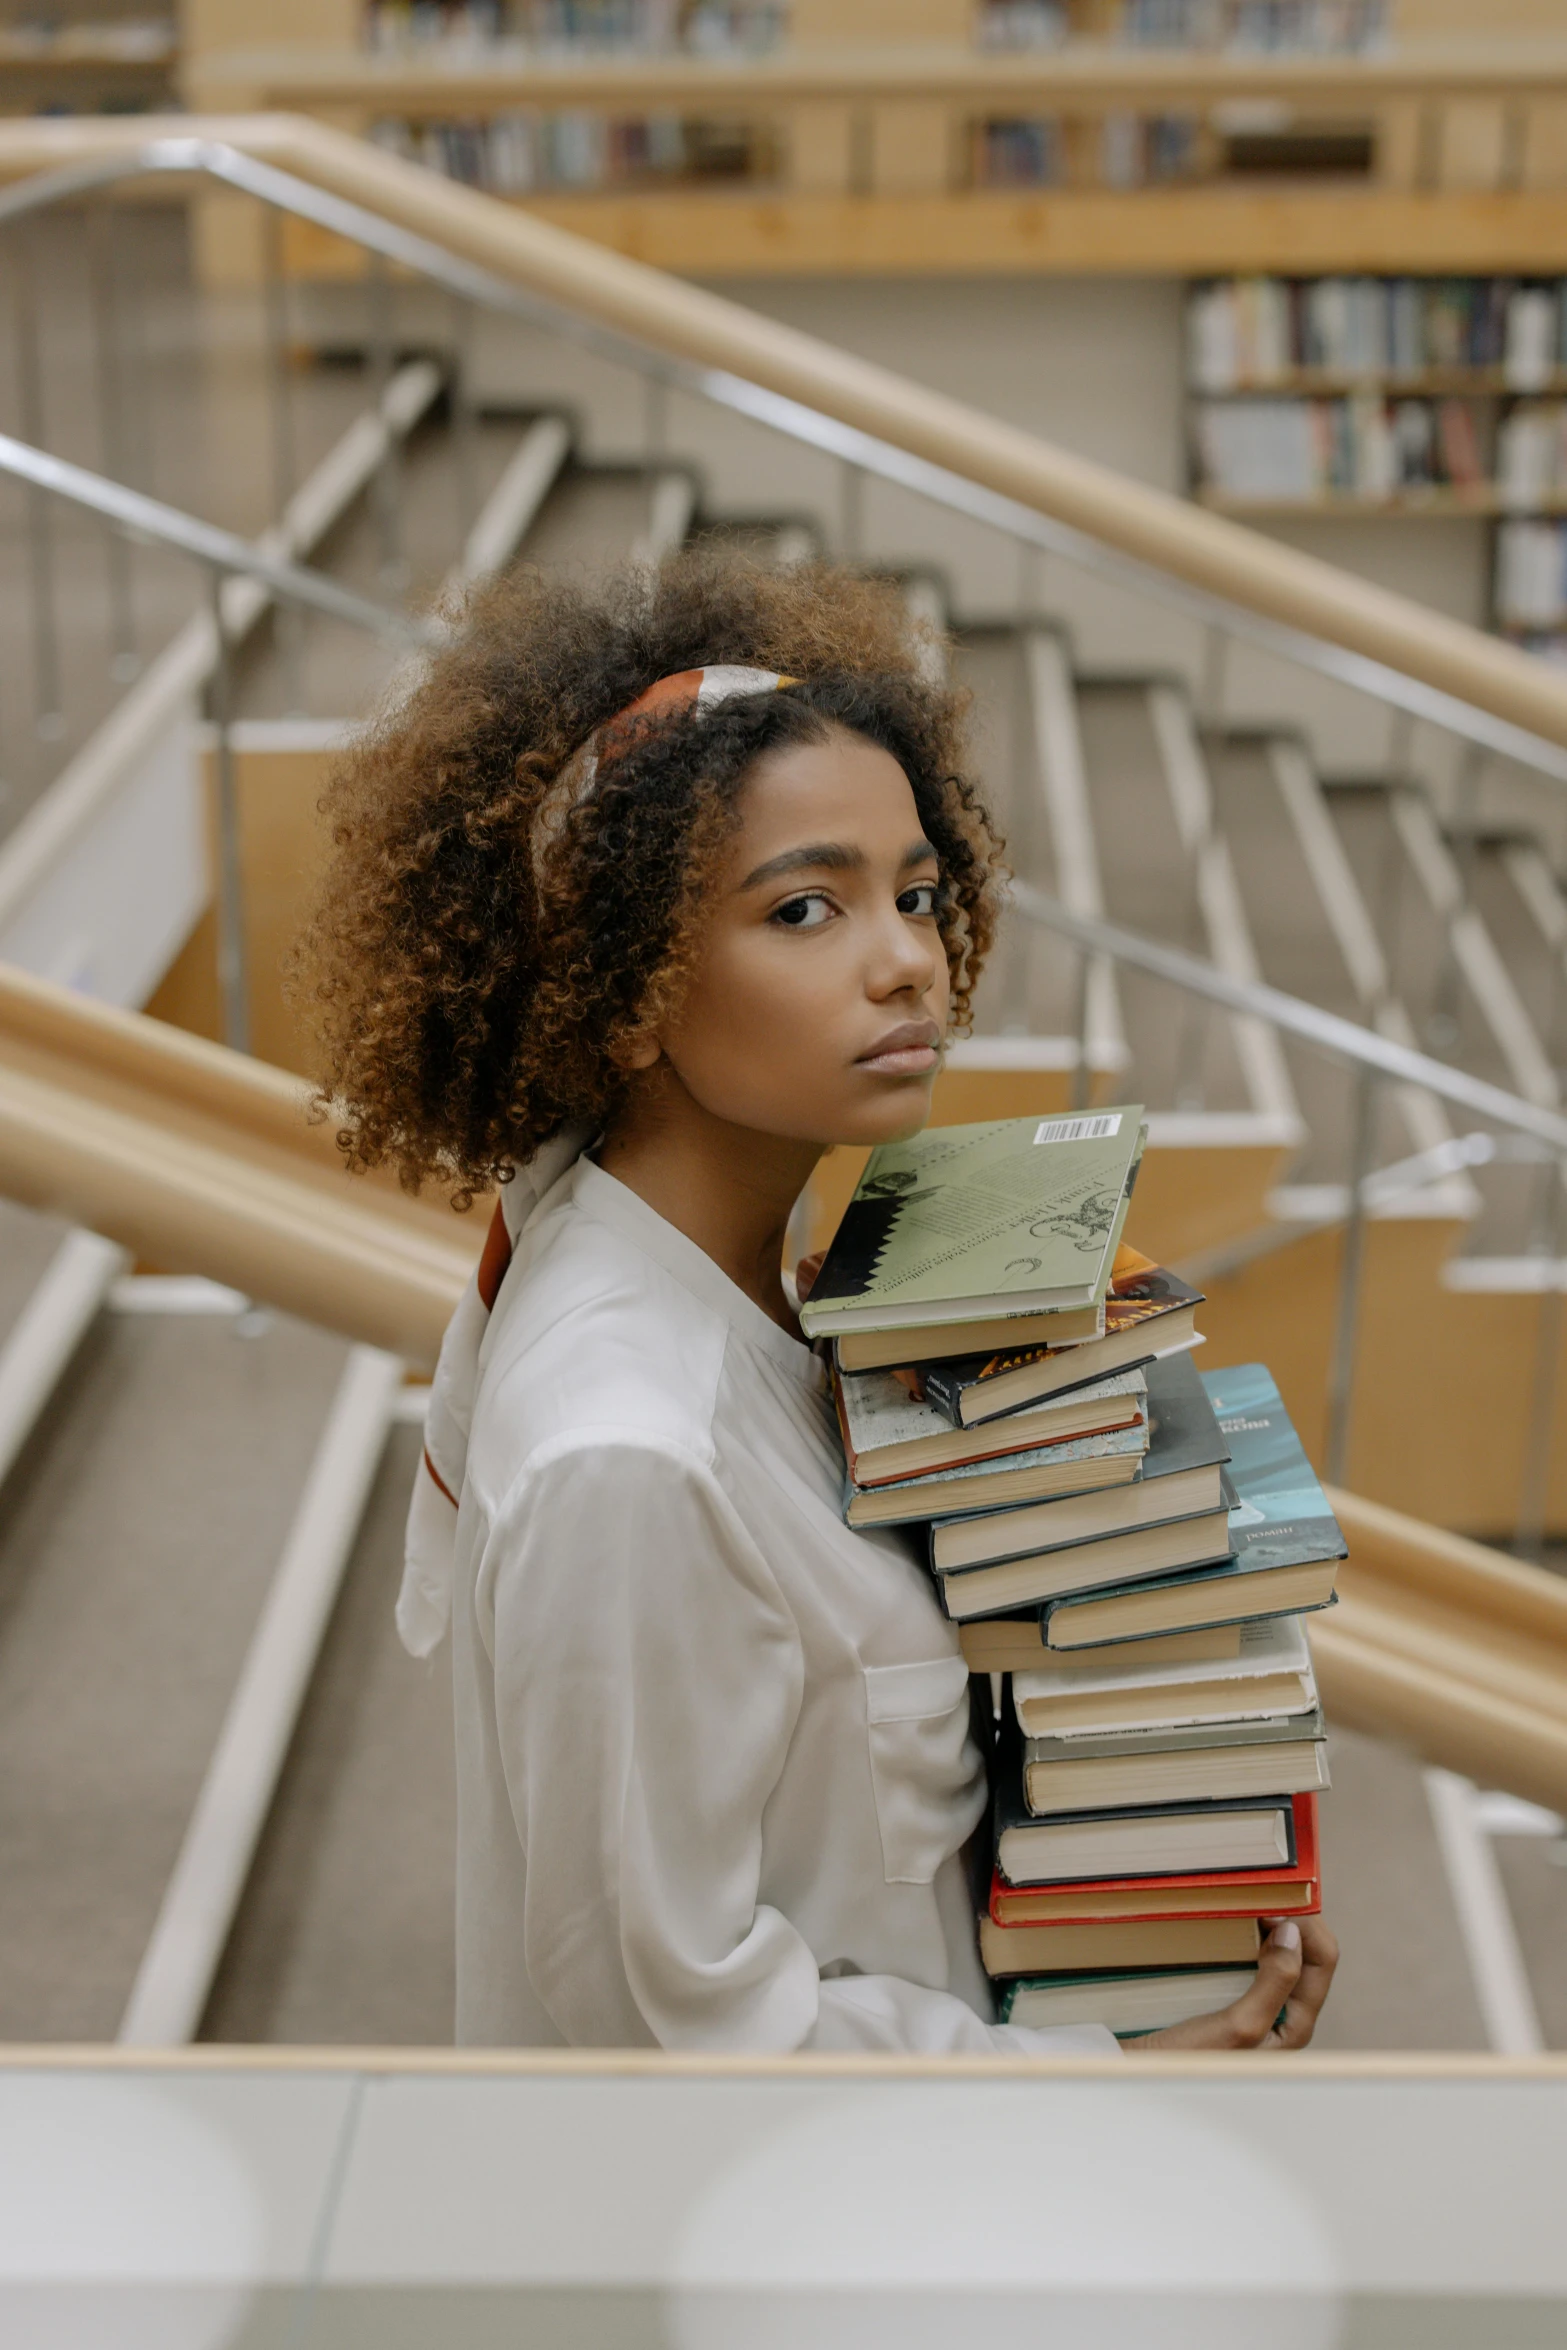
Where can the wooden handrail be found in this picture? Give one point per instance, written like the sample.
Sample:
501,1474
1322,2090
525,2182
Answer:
692,324
1081,76
203,1161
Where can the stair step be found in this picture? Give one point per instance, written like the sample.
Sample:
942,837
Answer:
138,1535
1183,1052
345,1932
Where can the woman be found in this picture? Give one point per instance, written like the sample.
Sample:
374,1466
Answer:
643,899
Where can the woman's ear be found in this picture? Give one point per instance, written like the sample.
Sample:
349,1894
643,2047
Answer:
640,1050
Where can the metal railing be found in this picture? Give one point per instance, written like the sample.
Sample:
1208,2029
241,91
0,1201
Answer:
860,453
394,247
1376,1060
222,555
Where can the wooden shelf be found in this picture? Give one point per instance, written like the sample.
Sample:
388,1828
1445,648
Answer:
1325,383
1442,503
737,230
22,52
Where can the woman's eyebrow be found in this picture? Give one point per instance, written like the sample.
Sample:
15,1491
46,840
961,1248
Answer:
832,855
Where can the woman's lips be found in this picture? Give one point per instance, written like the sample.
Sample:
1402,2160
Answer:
908,1051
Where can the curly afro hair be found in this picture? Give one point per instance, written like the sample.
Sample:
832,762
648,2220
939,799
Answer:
468,1007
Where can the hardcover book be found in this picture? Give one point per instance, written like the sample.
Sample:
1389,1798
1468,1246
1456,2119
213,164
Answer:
1285,1543
1015,1644
1269,1672
889,1434
1141,1840
1115,1944
1180,1477
1285,1756
1085,1566
1080,1465
1148,1314
1129,2004
960,1223
1292,1889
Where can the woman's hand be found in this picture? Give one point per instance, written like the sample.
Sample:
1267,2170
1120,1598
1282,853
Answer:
805,1273
1280,2010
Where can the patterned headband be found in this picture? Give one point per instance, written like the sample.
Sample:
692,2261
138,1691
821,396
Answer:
689,690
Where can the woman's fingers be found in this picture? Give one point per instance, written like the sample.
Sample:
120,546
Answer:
1319,1957
1280,2007
1252,2017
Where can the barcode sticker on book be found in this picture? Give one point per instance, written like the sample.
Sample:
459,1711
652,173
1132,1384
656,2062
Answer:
1078,1129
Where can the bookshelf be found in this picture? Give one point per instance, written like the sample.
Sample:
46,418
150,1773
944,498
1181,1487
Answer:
96,57
1396,398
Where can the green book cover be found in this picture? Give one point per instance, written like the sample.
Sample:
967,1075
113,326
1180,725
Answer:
1017,1216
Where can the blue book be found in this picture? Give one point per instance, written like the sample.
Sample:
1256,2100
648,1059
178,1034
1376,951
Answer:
1285,1543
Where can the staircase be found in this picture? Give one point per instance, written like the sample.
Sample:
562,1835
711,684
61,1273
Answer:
154,1502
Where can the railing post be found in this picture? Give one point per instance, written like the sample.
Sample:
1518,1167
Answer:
851,510
1341,1375
287,620
655,419
124,660
1534,1491
1080,1071
48,714
387,489
233,973
1215,672
465,438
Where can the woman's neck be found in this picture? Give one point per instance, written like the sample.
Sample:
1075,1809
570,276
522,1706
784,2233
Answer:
728,1188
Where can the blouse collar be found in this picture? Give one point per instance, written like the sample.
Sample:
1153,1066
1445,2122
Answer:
615,1204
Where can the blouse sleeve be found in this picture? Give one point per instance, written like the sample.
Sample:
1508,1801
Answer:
648,1676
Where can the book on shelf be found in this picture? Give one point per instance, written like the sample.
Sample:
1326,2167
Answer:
1129,2003
890,1434
1531,455
960,1224
1284,1755
1293,1889
1285,1543
1015,1644
1117,1943
1080,1465
1140,1840
1268,1672
1531,574
1266,330
1179,1476
1148,1312
1361,446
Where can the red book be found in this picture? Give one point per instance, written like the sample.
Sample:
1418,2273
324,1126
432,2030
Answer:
1239,1893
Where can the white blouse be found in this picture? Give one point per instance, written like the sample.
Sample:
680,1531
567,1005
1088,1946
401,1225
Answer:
714,1762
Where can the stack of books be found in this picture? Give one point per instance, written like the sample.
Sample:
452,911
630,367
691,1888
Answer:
1129,1545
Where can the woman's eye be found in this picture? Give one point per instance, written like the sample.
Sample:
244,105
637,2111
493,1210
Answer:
921,899
804,913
